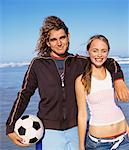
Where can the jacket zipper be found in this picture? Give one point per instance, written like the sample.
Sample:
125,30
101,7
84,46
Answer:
62,86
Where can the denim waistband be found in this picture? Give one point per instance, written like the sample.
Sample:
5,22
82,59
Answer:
116,140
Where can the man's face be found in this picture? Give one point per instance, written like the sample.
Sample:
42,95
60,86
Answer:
58,41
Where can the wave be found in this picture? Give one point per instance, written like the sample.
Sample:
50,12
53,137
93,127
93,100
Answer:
120,60
13,64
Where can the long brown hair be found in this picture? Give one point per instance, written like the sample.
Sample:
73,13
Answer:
49,23
86,76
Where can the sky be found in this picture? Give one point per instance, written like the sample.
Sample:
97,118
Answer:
20,22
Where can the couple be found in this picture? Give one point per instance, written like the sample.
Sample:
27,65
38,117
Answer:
54,72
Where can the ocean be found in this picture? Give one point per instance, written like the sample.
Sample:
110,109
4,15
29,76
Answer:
11,77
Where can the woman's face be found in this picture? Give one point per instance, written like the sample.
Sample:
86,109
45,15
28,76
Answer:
98,52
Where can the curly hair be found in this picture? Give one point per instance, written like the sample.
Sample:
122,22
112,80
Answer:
86,76
49,23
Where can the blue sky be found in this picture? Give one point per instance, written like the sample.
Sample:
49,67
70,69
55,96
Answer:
20,21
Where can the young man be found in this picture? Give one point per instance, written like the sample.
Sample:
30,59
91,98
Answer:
54,72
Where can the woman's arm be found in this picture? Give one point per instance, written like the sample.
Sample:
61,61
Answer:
127,128
82,112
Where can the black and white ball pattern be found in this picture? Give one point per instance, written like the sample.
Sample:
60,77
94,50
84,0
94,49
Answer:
29,128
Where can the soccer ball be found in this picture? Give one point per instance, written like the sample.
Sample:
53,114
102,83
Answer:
29,128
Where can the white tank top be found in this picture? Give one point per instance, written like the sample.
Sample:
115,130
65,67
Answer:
101,102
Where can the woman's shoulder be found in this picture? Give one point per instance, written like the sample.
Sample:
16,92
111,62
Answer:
79,78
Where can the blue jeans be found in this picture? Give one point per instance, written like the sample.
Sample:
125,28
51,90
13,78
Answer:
91,145
59,140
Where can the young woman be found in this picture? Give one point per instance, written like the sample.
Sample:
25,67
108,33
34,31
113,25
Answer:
107,124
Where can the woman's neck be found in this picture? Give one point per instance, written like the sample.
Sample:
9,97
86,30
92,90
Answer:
99,73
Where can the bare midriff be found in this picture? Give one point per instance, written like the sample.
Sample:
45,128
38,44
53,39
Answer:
108,131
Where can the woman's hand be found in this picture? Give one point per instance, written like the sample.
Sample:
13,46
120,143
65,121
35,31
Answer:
82,148
16,139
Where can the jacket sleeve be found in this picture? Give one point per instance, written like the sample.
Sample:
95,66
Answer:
23,97
114,68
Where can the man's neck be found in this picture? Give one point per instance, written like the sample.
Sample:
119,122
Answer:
58,57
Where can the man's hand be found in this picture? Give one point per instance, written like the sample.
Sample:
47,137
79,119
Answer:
122,91
16,139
